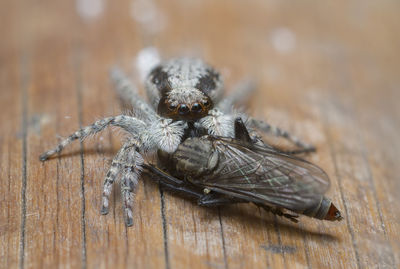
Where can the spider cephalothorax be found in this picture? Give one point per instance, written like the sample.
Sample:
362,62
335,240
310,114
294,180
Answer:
185,100
184,89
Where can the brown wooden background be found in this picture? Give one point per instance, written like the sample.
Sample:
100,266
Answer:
329,71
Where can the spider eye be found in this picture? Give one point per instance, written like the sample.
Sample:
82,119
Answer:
206,103
183,109
172,107
196,108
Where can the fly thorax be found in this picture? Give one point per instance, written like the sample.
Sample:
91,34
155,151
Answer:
195,156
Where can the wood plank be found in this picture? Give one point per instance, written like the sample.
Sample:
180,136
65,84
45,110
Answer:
12,85
54,234
327,72
54,200
143,244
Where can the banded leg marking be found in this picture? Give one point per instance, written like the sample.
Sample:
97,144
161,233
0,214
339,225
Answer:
128,123
128,92
131,173
267,128
109,179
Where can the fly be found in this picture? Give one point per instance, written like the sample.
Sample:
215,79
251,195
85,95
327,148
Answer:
238,170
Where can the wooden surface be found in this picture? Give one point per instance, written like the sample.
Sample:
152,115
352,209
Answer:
327,70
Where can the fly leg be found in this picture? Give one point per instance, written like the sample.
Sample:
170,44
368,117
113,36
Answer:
174,184
218,199
279,212
204,196
242,134
187,189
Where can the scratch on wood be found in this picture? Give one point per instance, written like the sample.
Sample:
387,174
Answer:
24,101
223,238
164,227
57,206
79,98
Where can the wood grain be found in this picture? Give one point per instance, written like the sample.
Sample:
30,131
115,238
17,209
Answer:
327,72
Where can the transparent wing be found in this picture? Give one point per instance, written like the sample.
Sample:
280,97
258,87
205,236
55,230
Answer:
261,174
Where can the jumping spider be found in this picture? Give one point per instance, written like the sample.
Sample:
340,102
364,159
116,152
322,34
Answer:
185,100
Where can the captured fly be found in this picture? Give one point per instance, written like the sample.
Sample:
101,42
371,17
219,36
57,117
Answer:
219,170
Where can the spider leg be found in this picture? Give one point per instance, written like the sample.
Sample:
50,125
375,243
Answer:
267,128
130,124
217,123
129,93
239,94
110,177
132,163
219,120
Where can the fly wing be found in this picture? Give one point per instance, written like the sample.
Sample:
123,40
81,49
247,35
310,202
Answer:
260,174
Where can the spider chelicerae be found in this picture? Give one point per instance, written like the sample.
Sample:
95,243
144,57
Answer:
185,99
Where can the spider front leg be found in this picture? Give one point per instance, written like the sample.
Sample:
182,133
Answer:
217,123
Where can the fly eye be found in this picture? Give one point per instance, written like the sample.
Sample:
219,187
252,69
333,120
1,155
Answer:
196,108
172,107
183,109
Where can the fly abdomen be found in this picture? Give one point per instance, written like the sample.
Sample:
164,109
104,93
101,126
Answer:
324,210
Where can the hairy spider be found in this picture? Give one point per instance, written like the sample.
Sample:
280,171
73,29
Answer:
185,100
